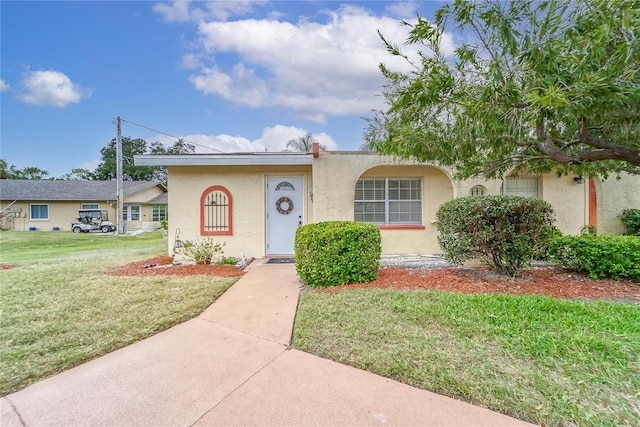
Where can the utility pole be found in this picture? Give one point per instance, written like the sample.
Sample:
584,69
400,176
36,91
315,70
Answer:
119,180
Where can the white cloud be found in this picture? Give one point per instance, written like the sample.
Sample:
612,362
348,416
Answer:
273,139
4,86
90,166
184,11
276,138
315,69
51,88
191,61
403,9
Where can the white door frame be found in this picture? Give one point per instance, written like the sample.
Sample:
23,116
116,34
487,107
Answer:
287,223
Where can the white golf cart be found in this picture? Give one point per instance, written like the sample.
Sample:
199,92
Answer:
92,220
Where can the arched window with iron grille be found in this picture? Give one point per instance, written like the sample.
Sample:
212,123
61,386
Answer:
216,212
477,190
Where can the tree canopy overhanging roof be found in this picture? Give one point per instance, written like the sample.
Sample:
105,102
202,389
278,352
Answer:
541,86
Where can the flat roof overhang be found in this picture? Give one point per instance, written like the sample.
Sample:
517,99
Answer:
248,159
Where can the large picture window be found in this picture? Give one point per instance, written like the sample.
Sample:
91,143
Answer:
39,211
520,186
216,211
388,201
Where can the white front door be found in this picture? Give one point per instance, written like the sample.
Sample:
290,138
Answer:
284,213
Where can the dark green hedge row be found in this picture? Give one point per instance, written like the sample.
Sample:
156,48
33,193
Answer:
614,257
337,252
631,218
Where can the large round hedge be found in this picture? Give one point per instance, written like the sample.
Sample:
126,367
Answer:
337,252
504,232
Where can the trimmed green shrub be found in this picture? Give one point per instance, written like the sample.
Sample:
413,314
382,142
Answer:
631,218
543,251
337,252
504,232
614,257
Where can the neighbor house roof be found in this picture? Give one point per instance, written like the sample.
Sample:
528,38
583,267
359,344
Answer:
16,189
160,199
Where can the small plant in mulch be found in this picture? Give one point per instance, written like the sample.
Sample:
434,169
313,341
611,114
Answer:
165,266
202,251
227,261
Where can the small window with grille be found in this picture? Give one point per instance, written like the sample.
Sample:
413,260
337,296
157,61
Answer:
477,190
216,211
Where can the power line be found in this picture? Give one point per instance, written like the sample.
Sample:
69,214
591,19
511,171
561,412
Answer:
172,136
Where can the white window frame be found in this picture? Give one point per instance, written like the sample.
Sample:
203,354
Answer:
156,210
89,205
127,212
388,204
527,186
31,206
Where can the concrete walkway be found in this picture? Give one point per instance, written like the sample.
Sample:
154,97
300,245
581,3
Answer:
232,366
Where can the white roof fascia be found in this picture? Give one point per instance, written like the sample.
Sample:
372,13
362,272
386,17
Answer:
224,160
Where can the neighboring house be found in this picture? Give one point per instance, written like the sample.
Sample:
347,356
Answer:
255,202
49,205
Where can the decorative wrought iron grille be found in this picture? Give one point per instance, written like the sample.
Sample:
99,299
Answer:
216,212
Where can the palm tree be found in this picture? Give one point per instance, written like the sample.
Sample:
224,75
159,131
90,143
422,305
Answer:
303,144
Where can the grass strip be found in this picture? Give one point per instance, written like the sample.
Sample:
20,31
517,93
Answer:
539,359
60,307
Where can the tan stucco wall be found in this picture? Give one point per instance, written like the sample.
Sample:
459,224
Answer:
143,196
335,175
145,221
614,196
61,214
146,210
329,196
247,187
569,201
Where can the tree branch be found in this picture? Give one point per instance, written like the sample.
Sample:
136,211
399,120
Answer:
606,150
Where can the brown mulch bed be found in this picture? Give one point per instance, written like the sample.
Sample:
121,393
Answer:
536,281
7,266
545,281
163,266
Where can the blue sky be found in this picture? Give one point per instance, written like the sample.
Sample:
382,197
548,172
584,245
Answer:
229,76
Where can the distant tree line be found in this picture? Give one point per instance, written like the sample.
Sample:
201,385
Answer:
106,169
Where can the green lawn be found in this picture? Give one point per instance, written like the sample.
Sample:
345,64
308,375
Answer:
60,307
538,359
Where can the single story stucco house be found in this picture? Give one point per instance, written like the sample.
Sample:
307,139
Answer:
254,202
54,204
